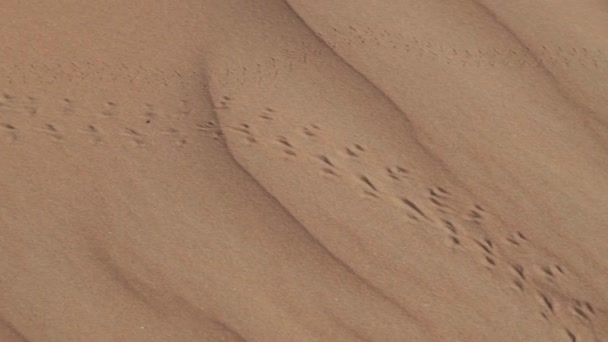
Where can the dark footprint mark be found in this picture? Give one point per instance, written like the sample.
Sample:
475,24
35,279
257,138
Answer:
548,272
455,240
517,239
94,133
325,160
581,313
32,107
311,130
330,172
397,172
450,226
486,245
438,203
571,336
224,103
512,241
68,107
474,215
490,261
351,153
110,109
369,183
438,194
11,132
370,193
8,102
136,138
267,114
308,132
520,286
290,152
519,270
266,117
547,302
8,97
219,136
209,128
283,141
8,127
180,140
414,207
242,128
590,308
52,131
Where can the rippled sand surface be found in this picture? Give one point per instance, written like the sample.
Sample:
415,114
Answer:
304,170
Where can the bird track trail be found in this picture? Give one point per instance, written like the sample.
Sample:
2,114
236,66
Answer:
463,226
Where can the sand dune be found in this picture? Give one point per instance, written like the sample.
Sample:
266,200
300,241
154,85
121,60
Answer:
226,170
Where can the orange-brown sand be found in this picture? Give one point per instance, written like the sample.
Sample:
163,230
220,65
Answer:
304,170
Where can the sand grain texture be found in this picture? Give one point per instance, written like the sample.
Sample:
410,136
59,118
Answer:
304,171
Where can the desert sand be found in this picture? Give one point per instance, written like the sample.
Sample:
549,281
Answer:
304,170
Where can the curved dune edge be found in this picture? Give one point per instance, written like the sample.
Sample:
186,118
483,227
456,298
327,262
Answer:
406,171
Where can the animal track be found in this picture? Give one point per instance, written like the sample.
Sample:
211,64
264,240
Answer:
52,131
10,132
414,207
465,229
368,183
311,130
397,172
283,141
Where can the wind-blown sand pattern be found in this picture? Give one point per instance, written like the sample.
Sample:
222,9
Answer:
289,170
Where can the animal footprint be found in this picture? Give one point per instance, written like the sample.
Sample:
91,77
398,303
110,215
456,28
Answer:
517,239
368,183
136,138
210,128
397,172
267,114
52,131
487,245
32,106
223,103
94,133
354,151
283,141
311,130
110,110
474,215
411,205
547,302
180,139
329,171
10,130
68,107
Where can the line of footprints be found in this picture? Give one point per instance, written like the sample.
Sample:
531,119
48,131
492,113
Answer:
444,212
152,125
451,219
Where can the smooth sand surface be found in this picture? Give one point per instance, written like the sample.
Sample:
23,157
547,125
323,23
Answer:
304,170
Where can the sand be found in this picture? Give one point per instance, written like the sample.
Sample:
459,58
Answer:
290,170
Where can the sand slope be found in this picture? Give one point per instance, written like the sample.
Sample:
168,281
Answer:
304,171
